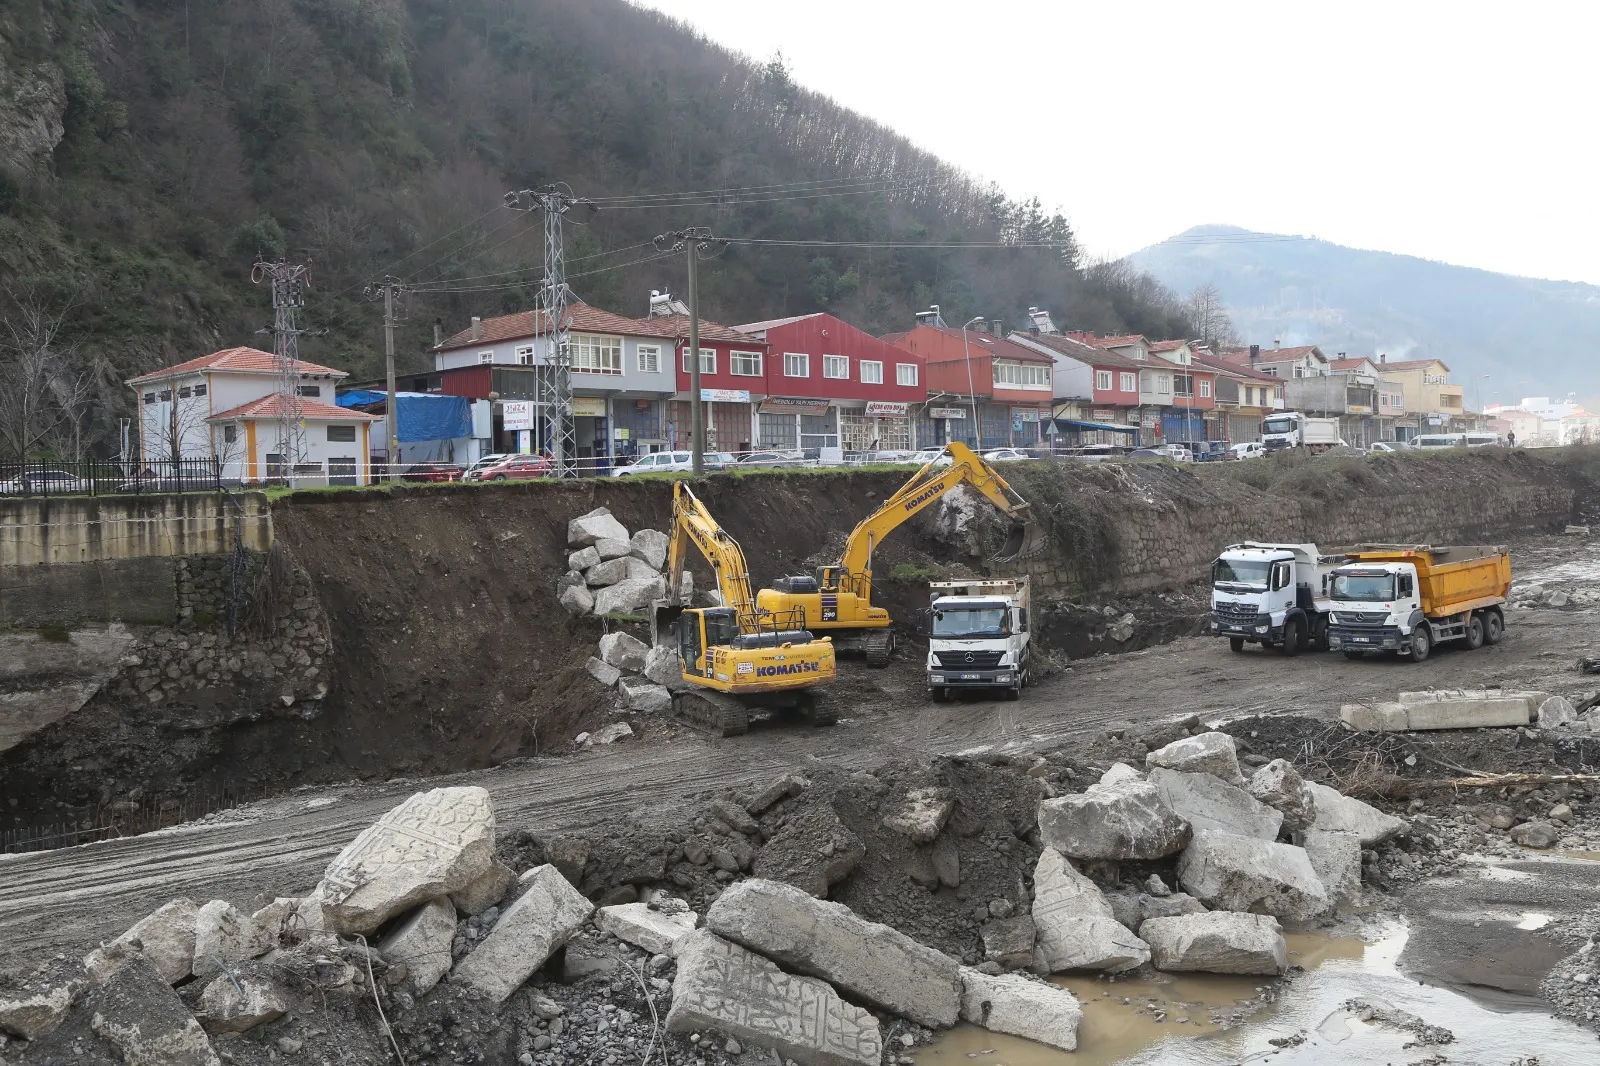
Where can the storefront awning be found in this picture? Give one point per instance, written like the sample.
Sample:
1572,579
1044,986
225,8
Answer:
1073,423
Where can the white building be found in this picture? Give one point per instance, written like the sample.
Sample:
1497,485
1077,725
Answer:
227,406
1539,422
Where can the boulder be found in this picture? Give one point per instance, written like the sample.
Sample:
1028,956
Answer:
223,936
1336,858
650,546
783,788
866,960
1170,906
486,891
1557,712
626,653
663,666
139,1014
597,524
645,696
632,596
583,558
656,930
1217,942
611,548
1209,803
576,599
1237,873
1338,813
602,671
721,986
165,937
542,919
1074,923
289,920
609,734
433,844
1008,942
609,572
1204,753
921,814
421,944
812,854
36,1006
1127,820
1280,786
1536,835
1018,1006
1119,772
246,996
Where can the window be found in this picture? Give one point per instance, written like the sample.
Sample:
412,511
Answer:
708,360
341,434
309,390
1130,383
149,397
184,393
905,373
485,357
199,390
1164,384
230,434
1022,375
1183,384
1102,380
796,365
1271,371
836,366
649,358
165,395
871,372
745,364
595,355
1205,389
525,355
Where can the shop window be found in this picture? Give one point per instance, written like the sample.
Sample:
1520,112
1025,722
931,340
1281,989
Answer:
778,431
871,372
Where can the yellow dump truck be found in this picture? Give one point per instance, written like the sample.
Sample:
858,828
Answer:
1408,598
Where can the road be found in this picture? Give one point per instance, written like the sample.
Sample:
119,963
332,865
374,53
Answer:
71,898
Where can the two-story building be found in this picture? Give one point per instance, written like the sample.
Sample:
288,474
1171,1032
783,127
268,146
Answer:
1432,402
1194,394
831,385
229,406
1155,378
1095,390
1244,397
1008,385
1302,361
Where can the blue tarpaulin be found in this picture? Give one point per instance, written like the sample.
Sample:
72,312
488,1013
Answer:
1077,424
423,415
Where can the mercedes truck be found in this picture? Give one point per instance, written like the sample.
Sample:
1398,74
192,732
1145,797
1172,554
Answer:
979,638
1406,599
1275,595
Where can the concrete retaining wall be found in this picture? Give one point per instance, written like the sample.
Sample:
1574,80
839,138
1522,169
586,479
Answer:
94,529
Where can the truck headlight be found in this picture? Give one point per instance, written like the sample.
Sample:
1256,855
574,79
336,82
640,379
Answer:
1261,629
1002,677
1333,619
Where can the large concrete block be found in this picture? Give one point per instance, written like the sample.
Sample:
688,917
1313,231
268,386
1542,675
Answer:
248,995
223,935
631,596
608,548
1207,802
1203,753
722,986
1444,709
1236,873
576,599
36,1006
544,918
433,844
664,666
137,1012
655,929
486,891
650,546
602,671
583,558
645,696
625,652
1338,813
1075,927
607,573
597,524
165,937
921,813
1018,1006
1126,820
1279,785
1336,857
872,962
1217,942
422,944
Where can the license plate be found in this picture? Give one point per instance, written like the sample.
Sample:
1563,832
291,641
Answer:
971,677
1361,640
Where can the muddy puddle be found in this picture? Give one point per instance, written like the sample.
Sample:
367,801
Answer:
1215,1020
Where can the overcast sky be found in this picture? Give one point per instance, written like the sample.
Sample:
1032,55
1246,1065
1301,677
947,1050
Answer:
1463,132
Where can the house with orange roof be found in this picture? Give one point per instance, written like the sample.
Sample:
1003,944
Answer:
1244,396
1008,386
228,406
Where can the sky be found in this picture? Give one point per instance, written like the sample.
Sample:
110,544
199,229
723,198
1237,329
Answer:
1461,132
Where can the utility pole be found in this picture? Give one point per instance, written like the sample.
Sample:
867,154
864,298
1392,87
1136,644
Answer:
289,283
390,288
695,242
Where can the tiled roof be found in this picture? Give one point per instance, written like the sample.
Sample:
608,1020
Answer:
1166,346
1349,364
1118,342
1269,355
1235,369
677,326
271,406
236,361
1412,364
773,323
582,317
1085,353
997,346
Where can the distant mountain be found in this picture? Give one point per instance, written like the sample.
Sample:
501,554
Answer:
1530,337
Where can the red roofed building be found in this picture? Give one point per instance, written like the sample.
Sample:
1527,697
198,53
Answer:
1009,385
1244,397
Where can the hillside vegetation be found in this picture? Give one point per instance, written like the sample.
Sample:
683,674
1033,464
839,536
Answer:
152,149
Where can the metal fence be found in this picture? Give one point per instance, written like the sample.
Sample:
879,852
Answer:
104,477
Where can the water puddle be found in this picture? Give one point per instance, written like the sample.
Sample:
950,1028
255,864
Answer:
1215,1020
1533,920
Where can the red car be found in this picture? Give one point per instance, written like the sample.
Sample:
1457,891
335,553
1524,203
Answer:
516,467
432,472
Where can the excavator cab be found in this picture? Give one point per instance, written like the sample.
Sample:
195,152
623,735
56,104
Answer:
701,629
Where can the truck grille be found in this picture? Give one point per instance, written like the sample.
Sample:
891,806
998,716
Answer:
974,660
1237,613
1359,619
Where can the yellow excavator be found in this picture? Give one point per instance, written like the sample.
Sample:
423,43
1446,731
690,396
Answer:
735,658
838,600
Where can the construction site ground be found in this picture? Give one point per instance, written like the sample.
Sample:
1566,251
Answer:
69,898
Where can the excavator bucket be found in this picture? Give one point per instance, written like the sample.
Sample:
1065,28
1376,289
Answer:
1026,539
664,622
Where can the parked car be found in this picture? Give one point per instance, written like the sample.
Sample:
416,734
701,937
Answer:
1148,453
1176,452
926,456
432,472
1384,446
1250,449
680,461
1006,455
44,482
1097,453
517,468
775,459
484,463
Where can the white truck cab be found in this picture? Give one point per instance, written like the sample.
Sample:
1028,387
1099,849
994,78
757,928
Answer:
1272,594
1293,429
979,638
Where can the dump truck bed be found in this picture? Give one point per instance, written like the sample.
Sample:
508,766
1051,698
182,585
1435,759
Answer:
1450,579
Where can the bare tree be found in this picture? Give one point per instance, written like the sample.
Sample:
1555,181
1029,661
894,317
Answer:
1209,316
46,394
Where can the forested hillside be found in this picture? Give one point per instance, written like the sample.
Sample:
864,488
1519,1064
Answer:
151,149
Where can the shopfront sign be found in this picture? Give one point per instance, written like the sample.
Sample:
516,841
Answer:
724,395
1104,414
793,405
886,409
947,412
1024,414
517,414
589,407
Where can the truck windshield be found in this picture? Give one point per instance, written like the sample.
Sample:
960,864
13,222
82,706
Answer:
957,623
1247,572
1278,425
1370,588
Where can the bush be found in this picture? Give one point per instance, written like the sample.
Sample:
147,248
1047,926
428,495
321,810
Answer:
260,237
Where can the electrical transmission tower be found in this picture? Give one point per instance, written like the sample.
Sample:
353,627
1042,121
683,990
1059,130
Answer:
554,373
289,283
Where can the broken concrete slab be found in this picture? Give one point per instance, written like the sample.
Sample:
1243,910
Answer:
651,546
602,671
869,961
1008,942
1169,906
486,891
644,696
598,523
1126,820
1208,803
611,548
165,936
1204,753
734,816
1338,813
1237,873
1076,929
625,652
1279,785
36,1006
784,787
1557,712
1336,858
138,1013
1217,942
422,944
655,930
608,734
433,844
542,919
921,814
1444,709
722,986
289,920
576,599
223,935
1018,1006
631,596
248,995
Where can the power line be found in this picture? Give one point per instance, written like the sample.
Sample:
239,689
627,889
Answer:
813,185
519,270
897,244
741,200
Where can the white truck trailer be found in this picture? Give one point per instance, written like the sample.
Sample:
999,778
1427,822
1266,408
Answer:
1275,595
979,637
1291,429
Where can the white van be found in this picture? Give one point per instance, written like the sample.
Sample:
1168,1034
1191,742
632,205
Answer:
1474,439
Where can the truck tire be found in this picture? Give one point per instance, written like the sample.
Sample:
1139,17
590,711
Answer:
1014,692
1236,643
1421,644
1494,626
1291,637
938,694
879,646
1475,633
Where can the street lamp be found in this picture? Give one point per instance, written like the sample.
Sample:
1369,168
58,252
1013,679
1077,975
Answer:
972,402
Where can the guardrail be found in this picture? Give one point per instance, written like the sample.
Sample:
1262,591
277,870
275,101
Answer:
97,477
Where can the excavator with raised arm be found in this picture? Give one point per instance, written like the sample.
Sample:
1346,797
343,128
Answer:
735,658
838,600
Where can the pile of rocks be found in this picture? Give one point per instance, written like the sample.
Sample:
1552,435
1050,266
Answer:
609,571
1581,714
1530,596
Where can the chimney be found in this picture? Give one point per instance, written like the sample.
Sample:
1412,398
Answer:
438,332
477,327
1255,354
999,329
1383,357
1277,343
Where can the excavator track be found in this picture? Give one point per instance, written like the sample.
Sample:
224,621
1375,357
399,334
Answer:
712,712
818,712
879,646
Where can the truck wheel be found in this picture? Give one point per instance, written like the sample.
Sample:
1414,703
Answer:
1494,626
1421,644
1291,637
1236,643
1475,633
1014,692
879,646
938,695
1355,655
